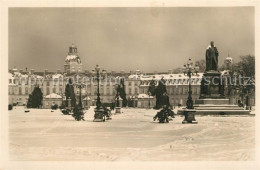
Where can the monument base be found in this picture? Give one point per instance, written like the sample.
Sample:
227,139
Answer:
212,101
212,86
189,116
118,109
99,115
218,107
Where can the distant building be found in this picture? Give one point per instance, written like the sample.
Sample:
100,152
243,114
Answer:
176,85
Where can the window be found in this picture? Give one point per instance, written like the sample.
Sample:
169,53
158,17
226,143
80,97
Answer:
26,90
130,83
47,90
180,89
108,91
20,90
47,83
170,90
136,91
184,90
54,90
130,91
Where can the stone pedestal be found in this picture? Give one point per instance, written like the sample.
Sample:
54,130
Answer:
118,110
212,100
212,86
189,116
99,115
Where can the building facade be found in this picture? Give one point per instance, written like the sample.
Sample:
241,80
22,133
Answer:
21,84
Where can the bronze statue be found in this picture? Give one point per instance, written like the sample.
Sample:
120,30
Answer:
211,57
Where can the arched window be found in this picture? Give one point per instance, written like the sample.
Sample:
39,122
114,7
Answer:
47,90
136,90
130,91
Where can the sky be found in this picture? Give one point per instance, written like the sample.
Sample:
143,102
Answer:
129,38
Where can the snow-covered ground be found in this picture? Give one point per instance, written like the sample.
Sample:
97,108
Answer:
133,135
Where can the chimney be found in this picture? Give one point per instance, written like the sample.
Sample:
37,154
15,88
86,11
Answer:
21,70
113,72
131,72
32,71
58,71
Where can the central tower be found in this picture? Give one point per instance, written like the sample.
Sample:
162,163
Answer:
73,63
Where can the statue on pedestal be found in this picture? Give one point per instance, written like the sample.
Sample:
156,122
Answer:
211,86
211,57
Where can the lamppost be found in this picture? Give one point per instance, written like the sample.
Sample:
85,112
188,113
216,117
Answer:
99,74
80,86
117,108
62,97
149,102
189,112
78,112
150,91
233,86
99,111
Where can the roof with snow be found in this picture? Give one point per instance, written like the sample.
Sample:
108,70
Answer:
53,96
87,98
71,57
164,76
56,76
144,96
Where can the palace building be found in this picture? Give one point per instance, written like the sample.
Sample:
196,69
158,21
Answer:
52,84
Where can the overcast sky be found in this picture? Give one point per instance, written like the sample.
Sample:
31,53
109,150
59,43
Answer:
149,39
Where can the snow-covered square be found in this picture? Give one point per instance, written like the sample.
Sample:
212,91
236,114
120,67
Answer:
42,135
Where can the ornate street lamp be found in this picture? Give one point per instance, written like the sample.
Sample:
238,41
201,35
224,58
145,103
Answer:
80,86
99,111
118,108
99,74
149,102
78,112
62,95
189,69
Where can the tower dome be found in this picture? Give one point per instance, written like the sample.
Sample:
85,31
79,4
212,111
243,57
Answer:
73,61
228,63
